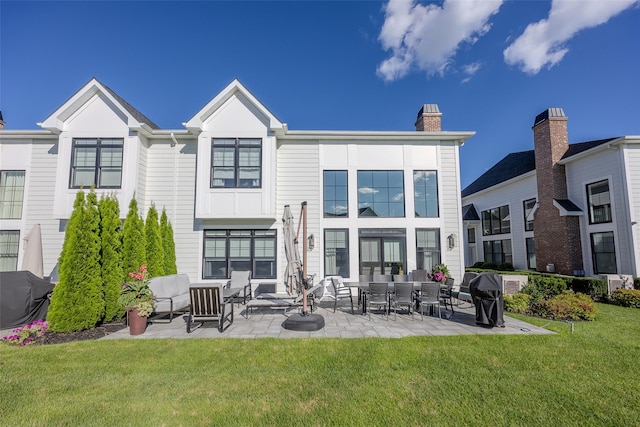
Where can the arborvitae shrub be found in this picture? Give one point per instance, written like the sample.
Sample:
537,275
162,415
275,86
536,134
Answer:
133,241
112,273
168,244
154,249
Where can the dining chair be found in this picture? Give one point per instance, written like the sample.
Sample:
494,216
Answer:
400,278
378,295
340,292
382,277
365,278
402,296
429,296
446,293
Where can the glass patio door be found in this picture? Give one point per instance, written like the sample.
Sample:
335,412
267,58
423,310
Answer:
381,251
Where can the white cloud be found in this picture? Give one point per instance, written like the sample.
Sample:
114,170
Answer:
470,70
427,36
543,43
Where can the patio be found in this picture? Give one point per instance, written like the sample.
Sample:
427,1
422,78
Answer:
267,323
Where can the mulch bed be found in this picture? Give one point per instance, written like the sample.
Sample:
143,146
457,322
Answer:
103,330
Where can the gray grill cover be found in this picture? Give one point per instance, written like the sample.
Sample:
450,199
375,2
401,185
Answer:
24,298
486,291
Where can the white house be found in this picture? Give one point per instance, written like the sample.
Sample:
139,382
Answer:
568,208
375,199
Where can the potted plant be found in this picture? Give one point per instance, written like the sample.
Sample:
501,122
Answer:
137,299
439,273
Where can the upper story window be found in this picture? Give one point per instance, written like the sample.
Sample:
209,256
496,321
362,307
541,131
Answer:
335,194
599,202
11,194
425,188
96,162
496,221
381,194
528,207
236,163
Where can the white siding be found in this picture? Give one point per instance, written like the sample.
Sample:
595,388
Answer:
451,210
632,167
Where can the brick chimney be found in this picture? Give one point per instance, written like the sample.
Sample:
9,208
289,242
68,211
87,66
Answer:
429,118
557,238
2,123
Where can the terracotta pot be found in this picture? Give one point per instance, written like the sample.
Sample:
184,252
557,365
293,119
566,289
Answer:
137,324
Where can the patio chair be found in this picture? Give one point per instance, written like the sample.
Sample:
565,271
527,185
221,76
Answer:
400,278
365,278
340,292
429,296
446,293
241,280
378,296
382,277
402,296
208,305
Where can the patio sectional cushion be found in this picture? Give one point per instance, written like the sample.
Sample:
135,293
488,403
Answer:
171,290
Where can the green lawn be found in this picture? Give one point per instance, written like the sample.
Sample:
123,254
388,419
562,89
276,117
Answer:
586,378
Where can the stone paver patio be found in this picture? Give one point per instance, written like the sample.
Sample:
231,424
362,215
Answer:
267,323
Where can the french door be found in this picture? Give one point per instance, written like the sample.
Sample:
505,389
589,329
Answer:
382,251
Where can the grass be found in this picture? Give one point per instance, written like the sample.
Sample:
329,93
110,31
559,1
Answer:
585,378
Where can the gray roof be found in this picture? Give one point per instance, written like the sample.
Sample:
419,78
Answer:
135,113
568,205
469,213
516,164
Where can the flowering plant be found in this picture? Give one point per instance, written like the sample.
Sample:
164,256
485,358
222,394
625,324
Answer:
439,273
27,334
136,294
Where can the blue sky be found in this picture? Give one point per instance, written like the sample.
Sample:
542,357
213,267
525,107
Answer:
491,66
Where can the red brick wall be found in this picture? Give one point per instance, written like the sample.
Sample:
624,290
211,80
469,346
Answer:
557,238
429,122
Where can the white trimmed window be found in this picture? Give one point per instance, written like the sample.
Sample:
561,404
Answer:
11,194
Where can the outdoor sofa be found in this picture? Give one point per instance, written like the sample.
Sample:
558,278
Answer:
171,292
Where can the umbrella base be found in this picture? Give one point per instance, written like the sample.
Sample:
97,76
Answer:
308,322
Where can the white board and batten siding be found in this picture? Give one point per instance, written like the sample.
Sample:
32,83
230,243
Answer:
632,168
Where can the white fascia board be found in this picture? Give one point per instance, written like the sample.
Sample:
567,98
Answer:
195,124
502,184
55,121
613,144
412,136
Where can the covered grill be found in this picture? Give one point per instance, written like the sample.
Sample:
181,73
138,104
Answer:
486,292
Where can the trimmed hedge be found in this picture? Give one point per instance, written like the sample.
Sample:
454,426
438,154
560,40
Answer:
626,297
567,306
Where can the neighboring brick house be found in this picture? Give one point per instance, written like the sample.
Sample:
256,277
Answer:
374,198
568,208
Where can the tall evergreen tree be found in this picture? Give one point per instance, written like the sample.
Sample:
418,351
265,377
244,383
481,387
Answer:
133,242
78,301
111,237
168,244
154,248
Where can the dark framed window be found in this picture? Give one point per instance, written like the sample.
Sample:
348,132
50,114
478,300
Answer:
336,200
528,207
11,194
471,235
336,252
498,251
425,189
531,253
603,251
96,162
236,163
496,221
599,202
381,194
9,243
427,248
228,250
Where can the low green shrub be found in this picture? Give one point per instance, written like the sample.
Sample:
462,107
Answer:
505,266
517,303
626,297
595,288
567,306
544,287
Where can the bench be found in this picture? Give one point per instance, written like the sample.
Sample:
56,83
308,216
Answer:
171,292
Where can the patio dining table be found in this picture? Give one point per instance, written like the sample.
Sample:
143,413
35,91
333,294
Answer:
363,290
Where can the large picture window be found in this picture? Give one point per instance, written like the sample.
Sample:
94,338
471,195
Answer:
603,250
427,248
425,188
498,251
336,252
496,221
335,194
9,243
528,207
96,162
381,194
228,250
599,201
236,162
11,194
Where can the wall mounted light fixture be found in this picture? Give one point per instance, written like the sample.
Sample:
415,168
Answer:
451,240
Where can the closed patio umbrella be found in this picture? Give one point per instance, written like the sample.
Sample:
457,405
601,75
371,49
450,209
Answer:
32,259
293,272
